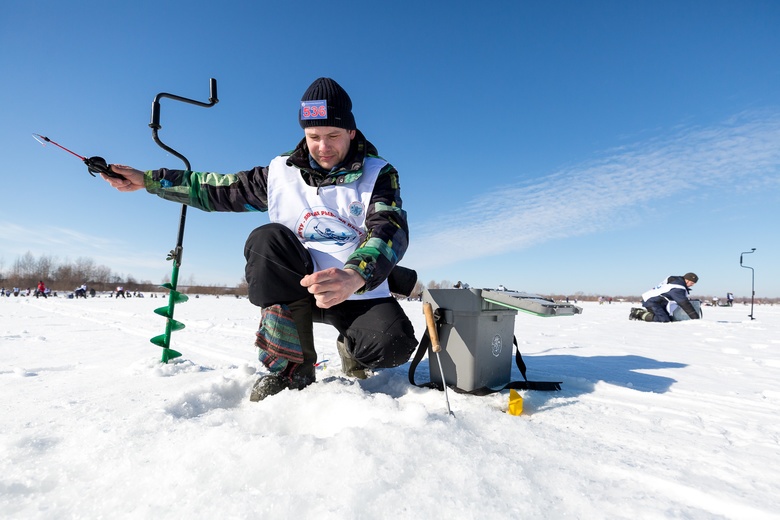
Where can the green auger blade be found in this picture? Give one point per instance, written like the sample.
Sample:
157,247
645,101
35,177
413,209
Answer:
163,339
168,354
175,295
171,325
176,325
162,311
165,311
159,341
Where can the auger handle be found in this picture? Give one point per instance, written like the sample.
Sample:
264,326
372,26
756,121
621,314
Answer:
213,100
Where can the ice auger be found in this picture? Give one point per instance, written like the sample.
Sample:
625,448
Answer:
174,296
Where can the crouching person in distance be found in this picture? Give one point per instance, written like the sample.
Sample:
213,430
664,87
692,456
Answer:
337,232
672,289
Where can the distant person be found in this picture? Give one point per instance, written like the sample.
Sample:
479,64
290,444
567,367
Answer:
120,291
81,291
729,299
658,302
41,290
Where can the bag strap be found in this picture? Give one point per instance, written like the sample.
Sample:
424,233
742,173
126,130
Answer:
425,343
525,384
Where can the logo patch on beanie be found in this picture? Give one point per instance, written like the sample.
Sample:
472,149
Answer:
314,109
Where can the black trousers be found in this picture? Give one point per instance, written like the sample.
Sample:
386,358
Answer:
377,332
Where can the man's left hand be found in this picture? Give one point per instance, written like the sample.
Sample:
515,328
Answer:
332,286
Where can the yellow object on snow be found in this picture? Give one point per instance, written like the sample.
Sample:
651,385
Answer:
515,403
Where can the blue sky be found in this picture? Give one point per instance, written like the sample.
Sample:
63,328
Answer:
550,146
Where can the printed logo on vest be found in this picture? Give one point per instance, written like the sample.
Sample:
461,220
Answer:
356,209
327,229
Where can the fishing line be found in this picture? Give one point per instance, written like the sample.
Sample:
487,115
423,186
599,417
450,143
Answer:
275,262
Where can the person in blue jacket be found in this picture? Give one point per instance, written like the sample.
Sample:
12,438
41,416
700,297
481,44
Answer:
672,289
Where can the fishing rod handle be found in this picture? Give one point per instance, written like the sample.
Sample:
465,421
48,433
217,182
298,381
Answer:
99,165
431,323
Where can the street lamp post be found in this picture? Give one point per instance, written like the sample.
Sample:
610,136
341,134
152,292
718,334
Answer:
752,279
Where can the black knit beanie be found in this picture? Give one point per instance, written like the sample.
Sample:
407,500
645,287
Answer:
691,276
325,103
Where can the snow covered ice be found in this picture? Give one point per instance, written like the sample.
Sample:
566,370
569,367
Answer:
653,421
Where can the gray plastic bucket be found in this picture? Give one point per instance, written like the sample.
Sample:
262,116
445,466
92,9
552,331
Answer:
476,339
681,315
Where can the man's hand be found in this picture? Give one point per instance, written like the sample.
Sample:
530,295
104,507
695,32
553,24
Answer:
133,179
332,286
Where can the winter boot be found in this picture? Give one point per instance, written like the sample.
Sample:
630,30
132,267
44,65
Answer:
349,364
648,316
294,377
266,386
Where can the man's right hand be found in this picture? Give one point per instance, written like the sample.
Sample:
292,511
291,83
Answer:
133,179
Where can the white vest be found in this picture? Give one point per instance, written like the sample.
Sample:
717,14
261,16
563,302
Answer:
660,289
330,221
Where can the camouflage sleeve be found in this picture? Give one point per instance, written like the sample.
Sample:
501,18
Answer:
388,232
238,192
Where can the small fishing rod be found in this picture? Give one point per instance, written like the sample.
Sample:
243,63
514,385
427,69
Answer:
94,164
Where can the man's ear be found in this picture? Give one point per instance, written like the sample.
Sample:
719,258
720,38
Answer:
352,134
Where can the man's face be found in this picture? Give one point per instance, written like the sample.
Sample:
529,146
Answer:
328,145
689,283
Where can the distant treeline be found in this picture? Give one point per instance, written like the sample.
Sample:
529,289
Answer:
65,276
